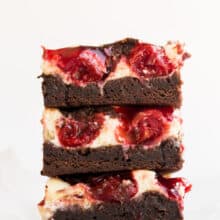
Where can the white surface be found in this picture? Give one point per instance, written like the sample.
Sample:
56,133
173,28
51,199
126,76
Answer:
25,25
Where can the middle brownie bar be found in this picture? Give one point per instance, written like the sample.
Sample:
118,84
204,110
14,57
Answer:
111,138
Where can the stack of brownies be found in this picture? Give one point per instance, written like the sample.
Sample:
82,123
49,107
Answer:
112,132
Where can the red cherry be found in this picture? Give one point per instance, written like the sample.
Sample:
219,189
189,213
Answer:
90,66
148,60
123,132
61,57
140,125
80,65
167,112
72,133
147,126
113,188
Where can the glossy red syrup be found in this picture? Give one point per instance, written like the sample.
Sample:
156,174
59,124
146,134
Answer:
81,65
41,203
142,125
148,60
72,133
114,188
172,185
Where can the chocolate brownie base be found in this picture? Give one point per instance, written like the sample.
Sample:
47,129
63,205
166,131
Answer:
60,161
149,206
162,91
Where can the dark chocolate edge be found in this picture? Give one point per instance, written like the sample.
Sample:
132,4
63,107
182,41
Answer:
84,113
62,161
148,206
160,91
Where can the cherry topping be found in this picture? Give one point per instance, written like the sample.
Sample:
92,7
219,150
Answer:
148,60
80,65
167,112
41,203
173,185
114,188
147,126
72,133
142,125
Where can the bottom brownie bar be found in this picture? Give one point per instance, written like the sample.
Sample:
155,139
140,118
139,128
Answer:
133,195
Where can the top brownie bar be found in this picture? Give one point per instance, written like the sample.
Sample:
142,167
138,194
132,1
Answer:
127,72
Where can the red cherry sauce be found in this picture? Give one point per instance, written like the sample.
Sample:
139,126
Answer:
172,185
41,203
73,133
142,125
81,65
114,188
148,60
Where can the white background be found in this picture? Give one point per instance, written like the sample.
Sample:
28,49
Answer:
26,25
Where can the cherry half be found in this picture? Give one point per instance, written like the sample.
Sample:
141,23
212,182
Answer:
147,126
141,125
148,60
73,133
80,65
113,188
